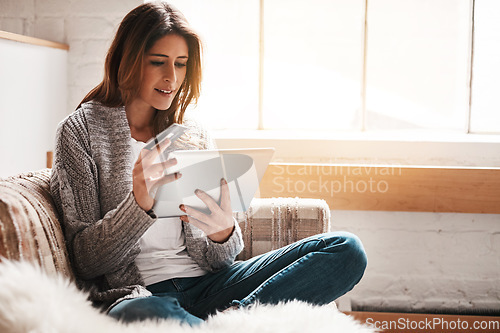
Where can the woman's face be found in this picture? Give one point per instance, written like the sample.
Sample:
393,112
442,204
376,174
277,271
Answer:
164,70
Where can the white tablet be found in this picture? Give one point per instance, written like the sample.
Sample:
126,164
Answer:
242,168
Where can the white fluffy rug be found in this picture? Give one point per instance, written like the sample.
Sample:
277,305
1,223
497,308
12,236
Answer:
30,301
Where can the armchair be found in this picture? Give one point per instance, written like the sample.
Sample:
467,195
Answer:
30,228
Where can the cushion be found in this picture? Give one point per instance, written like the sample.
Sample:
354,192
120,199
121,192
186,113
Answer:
271,223
29,225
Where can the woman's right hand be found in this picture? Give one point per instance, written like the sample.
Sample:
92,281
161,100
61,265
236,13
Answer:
147,176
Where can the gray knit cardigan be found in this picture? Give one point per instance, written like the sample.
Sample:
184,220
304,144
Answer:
91,184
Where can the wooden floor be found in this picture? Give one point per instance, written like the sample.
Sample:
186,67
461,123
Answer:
419,323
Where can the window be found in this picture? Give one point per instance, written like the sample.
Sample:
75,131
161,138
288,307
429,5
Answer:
312,70
417,64
485,115
349,65
230,33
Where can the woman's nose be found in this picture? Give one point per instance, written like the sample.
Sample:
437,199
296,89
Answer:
169,74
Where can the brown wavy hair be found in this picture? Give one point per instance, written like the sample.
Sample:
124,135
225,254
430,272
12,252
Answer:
137,33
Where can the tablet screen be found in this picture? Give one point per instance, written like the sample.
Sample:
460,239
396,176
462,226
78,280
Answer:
203,169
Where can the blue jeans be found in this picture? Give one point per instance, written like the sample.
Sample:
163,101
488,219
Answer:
317,269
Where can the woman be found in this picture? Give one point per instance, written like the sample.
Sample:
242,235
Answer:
135,265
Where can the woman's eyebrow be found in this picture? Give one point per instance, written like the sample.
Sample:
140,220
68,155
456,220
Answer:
164,55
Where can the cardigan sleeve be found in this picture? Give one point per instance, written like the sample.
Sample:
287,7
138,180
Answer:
96,245
209,255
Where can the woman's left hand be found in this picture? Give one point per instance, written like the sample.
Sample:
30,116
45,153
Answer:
219,225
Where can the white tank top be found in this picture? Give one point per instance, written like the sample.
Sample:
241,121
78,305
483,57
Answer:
163,253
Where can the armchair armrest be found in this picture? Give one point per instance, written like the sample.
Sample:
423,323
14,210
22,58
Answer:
271,223
29,225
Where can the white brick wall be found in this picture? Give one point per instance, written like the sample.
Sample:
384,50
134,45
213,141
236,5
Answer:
416,260
17,16
419,261
87,26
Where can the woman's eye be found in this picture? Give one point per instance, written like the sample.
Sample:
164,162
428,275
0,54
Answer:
180,64
157,63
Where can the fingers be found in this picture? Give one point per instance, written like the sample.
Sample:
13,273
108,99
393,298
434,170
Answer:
156,170
219,223
149,156
207,200
155,184
194,213
217,232
197,223
225,199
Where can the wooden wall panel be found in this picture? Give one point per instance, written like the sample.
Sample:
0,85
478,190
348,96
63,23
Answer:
388,188
32,40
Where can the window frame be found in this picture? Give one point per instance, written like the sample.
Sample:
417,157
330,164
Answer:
382,148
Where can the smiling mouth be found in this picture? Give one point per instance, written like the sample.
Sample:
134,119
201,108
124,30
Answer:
167,92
